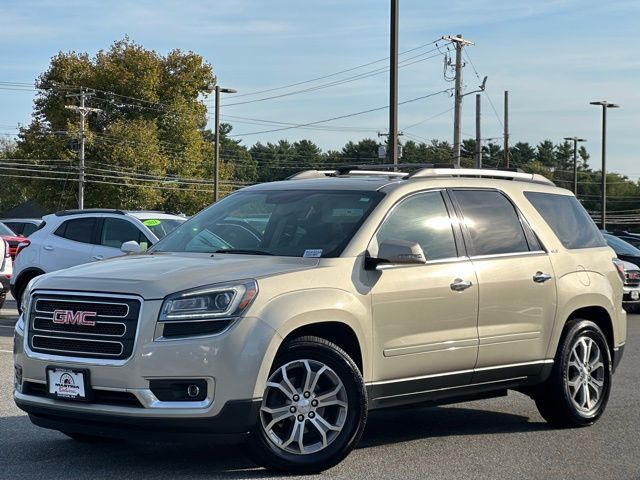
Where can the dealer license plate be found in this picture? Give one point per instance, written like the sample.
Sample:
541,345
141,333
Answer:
68,384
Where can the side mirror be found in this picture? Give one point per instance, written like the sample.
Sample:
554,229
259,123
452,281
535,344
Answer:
398,252
130,247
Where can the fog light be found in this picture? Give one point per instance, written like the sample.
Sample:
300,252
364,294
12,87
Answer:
193,391
175,390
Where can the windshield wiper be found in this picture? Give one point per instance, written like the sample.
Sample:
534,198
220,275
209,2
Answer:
242,251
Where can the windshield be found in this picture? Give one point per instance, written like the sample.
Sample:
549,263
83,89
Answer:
292,223
4,230
621,247
161,226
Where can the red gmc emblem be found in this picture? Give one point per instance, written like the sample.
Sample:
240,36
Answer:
68,317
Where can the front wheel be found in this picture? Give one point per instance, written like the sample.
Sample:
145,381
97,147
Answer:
577,391
313,411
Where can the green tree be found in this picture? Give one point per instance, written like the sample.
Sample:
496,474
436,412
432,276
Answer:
146,149
546,153
522,154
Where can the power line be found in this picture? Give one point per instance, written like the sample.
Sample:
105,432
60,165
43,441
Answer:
340,116
334,74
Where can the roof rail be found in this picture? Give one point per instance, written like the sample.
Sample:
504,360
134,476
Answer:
383,170
88,211
480,173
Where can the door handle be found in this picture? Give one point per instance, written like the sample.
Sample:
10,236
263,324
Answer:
540,277
48,247
459,285
98,257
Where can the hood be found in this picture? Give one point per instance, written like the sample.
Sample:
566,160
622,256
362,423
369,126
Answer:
629,266
158,275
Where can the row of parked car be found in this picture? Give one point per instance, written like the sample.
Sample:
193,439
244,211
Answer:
68,238
74,237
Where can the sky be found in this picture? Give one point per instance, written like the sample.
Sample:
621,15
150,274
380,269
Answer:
553,56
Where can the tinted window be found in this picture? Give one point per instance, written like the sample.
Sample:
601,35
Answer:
421,219
492,221
568,219
78,230
116,231
160,227
16,227
28,229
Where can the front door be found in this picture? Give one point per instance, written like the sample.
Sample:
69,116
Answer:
424,316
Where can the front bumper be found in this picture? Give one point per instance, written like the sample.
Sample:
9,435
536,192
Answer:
230,363
631,295
232,424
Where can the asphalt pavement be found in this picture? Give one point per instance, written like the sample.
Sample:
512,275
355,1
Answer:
500,438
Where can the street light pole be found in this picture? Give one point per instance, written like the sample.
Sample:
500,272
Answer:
575,141
604,104
216,147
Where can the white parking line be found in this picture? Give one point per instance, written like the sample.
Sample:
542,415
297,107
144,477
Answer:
6,326
6,351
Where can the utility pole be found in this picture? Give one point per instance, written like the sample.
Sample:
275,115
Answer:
83,111
460,43
505,150
575,141
393,83
478,136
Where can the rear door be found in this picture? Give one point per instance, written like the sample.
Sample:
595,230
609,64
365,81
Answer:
517,291
69,245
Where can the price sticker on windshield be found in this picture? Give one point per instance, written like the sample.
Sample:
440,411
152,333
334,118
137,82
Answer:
151,223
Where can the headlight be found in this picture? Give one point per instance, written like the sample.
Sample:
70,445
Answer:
25,301
214,301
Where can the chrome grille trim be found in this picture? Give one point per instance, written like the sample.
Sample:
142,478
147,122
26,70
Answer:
69,332
60,357
80,301
78,351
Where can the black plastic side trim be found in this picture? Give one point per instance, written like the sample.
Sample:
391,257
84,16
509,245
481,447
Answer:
617,357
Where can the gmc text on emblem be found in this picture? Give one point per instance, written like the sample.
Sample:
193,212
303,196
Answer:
68,317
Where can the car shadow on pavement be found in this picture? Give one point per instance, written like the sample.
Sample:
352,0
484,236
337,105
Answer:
407,424
32,452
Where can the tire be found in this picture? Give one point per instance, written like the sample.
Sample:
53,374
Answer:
3,297
85,438
329,396
562,400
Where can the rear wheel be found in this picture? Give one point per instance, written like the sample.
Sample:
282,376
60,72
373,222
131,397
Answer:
3,297
577,391
21,284
313,411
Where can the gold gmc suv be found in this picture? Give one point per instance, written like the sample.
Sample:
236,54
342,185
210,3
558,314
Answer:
282,314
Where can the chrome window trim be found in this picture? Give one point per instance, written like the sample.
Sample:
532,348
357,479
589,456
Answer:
82,333
79,301
389,266
81,360
511,254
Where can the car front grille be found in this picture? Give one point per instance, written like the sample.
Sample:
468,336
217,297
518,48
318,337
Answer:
632,278
83,326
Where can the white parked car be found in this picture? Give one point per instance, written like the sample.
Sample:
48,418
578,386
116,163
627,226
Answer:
73,237
6,268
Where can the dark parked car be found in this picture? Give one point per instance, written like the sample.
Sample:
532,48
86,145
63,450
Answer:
624,250
632,238
22,226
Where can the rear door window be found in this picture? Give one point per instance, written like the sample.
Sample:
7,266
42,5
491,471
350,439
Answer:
79,229
492,222
568,219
